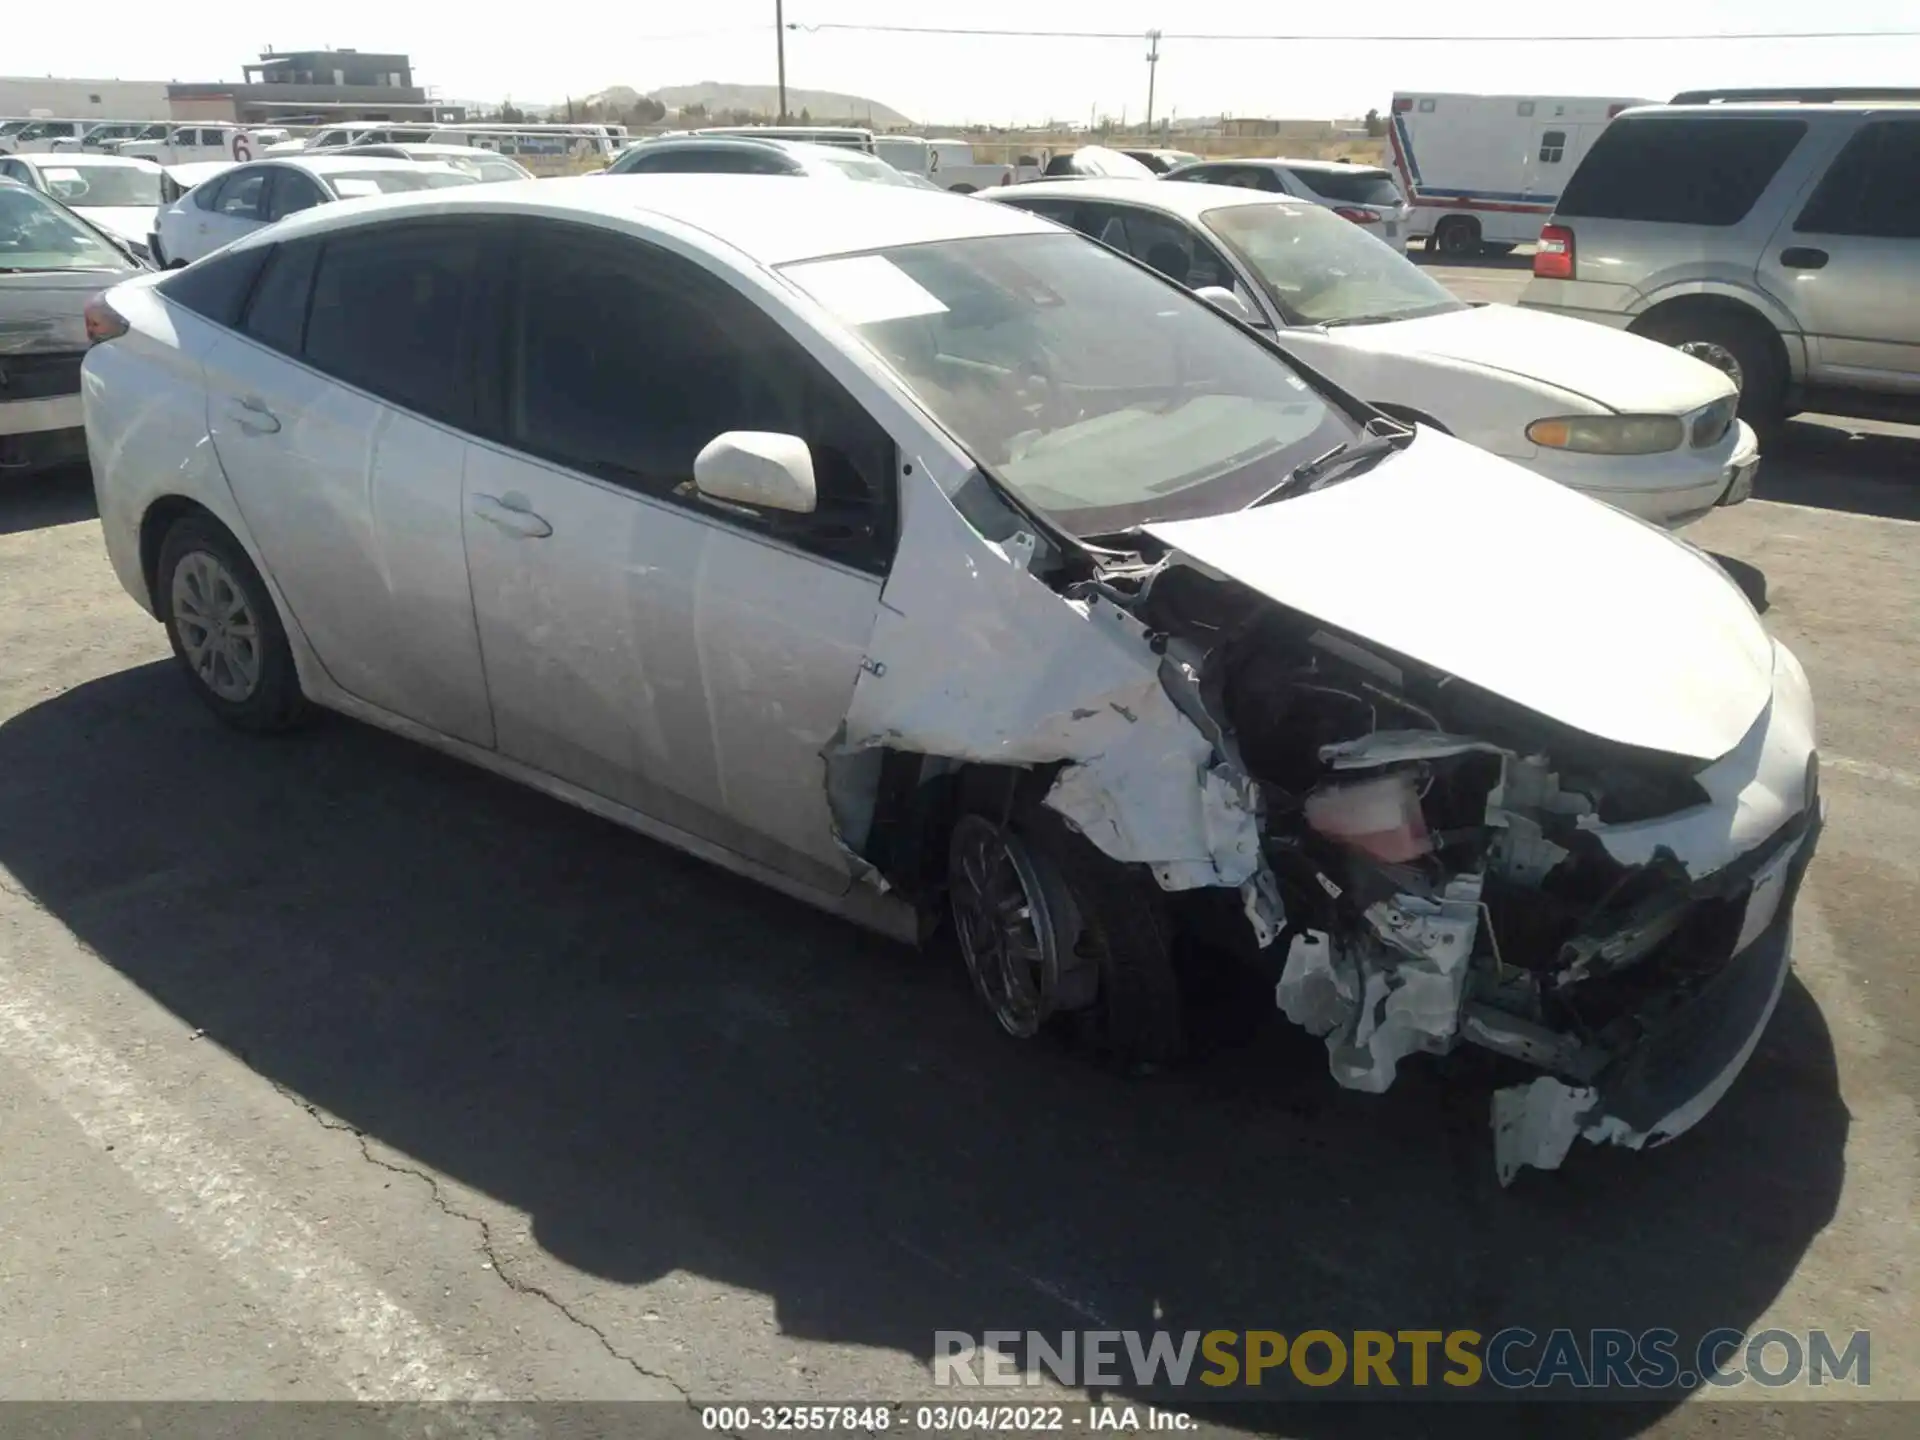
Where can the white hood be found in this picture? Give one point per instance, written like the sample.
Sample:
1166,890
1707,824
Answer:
1483,570
1626,373
129,222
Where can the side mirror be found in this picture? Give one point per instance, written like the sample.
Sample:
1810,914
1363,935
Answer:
1229,302
758,469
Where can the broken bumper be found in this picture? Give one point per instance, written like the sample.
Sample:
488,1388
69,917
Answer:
1679,1071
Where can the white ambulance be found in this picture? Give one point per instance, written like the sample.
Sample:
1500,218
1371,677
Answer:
1483,171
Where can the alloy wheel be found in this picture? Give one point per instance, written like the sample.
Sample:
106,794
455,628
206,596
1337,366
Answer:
216,626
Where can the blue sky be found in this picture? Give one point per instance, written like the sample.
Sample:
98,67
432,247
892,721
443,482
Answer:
542,53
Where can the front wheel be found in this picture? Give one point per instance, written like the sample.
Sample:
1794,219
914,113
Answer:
1739,349
1057,936
224,629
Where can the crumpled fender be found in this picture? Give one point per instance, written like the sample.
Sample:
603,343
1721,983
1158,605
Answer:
974,658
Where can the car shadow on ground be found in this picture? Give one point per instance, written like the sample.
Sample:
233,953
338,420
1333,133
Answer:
669,1069
52,497
1837,464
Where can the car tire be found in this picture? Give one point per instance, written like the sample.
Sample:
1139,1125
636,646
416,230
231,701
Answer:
1457,236
224,629
1057,937
1739,346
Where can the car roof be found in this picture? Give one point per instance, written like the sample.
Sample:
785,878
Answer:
374,149
331,164
1723,108
767,218
1189,202
81,158
1341,167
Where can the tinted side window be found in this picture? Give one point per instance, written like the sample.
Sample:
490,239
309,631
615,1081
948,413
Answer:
626,362
392,313
292,192
217,287
240,194
277,314
1873,186
1553,147
1683,172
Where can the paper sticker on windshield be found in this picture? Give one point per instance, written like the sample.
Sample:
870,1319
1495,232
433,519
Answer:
865,289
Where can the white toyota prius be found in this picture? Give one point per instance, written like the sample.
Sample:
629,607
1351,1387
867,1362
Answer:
915,557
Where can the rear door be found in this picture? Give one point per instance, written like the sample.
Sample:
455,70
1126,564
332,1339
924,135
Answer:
235,207
338,414
1850,258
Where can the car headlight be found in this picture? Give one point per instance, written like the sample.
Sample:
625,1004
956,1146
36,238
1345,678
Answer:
1713,422
1609,434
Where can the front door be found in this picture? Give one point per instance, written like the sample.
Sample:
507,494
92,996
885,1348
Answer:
1847,262
337,415
683,660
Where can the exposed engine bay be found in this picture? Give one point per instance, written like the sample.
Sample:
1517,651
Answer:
1439,860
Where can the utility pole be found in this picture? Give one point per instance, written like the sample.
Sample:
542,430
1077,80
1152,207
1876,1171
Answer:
780,53
1153,67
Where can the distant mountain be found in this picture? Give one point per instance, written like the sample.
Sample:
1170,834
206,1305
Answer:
822,106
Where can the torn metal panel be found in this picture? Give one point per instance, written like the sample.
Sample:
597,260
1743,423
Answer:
974,658
1380,997
1536,1124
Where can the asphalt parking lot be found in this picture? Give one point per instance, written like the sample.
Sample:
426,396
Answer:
333,1068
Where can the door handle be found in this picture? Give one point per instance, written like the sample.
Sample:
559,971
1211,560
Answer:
1803,257
513,520
251,414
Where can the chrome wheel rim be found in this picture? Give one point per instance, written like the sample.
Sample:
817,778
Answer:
1005,925
1718,356
218,632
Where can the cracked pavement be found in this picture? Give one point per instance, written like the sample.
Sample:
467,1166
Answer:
331,1068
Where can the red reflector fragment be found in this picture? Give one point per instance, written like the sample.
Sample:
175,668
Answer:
103,321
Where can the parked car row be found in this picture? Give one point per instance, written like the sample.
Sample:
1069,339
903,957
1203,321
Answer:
942,566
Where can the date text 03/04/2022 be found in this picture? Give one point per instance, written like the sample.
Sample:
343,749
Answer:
945,1419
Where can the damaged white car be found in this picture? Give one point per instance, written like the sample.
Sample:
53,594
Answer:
920,559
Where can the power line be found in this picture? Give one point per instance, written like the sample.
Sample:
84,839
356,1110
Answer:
1353,39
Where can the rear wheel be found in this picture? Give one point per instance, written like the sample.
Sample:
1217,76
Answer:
1457,236
1057,936
224,630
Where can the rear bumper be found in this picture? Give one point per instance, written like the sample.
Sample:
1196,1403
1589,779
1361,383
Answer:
51,412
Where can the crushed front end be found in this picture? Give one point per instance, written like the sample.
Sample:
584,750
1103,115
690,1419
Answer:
1449,868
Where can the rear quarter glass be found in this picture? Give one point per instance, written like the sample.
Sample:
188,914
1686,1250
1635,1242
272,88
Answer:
1680,171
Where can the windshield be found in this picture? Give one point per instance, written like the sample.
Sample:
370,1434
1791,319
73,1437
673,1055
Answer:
1101,394
36,234
854,166
103,185
1354,187
354,184
1320,269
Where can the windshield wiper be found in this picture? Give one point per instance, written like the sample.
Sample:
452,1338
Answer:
1339,320
1342,459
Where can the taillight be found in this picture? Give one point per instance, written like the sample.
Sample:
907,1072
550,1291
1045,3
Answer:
1358,217
1553,256
103,321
